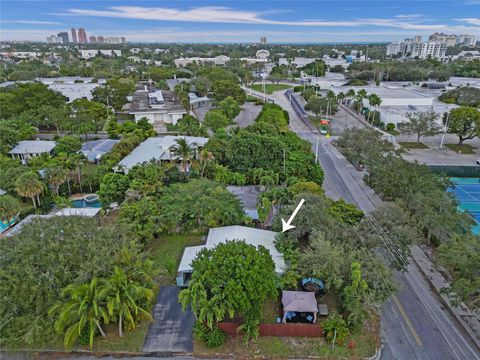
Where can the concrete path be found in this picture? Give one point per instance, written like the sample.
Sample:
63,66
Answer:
171,331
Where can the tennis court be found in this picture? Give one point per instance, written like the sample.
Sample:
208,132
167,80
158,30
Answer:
467,192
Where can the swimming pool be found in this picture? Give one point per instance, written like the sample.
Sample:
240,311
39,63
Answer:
467,192
4,225
88,201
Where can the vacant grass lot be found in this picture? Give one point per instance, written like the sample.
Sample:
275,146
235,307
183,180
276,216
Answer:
270,88
413,145
463,149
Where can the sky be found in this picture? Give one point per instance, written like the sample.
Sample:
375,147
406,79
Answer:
240,21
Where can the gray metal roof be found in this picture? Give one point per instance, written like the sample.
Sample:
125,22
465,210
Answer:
94,150
33,147
221,235
156,148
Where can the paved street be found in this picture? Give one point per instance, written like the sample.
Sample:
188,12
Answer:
414,323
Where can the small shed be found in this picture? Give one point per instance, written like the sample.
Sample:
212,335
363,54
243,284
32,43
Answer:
299,301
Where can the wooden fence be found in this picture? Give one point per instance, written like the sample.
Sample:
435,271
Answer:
279,330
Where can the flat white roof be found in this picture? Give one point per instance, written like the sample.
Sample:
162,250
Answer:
156,148
221,235
382,92
33,147
87,212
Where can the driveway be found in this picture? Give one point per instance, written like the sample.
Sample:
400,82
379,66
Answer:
171,331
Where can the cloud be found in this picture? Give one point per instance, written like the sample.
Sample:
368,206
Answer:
30,22
471,21
220,14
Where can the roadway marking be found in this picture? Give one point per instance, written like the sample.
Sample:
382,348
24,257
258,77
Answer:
407,321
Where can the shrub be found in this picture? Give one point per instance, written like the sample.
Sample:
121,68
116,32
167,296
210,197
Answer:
335,326
390,127
213,337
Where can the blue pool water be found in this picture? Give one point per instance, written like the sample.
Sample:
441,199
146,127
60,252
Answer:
467,192
4,224
80,203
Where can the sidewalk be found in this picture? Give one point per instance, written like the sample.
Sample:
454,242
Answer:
462,313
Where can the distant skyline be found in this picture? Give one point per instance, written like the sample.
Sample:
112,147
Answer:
241,21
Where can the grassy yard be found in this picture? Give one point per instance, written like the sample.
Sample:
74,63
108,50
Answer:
270,88
413,145
463,149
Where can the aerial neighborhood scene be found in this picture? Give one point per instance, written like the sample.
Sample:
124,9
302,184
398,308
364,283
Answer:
240,180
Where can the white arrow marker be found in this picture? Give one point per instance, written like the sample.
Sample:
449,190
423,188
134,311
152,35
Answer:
286,224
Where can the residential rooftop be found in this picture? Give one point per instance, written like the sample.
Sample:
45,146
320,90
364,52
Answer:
94,150
33,147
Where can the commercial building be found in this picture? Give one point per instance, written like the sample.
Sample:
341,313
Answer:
449,40
100,39
221,235
82,36
466,40
92,39
25,150
220,60
64,36
155,148
74,35
91,53
415,48
263,40
52,39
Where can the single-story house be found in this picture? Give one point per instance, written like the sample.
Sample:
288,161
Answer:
94,150
223,234
27,149
155,148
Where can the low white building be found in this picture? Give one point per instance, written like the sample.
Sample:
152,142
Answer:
73,87
28,149
262,54
220,60
91,53
298,61
155,148
216,236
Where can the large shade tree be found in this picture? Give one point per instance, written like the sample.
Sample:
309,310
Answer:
232,279
29,185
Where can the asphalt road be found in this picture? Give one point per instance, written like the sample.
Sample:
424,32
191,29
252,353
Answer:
414,324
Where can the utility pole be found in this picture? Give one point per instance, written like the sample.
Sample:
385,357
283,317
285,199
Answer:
445,130
316,151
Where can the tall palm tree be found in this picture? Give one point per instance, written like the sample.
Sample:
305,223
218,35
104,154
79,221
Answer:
56,176
125,299
84,310
374,101
351,94
29,185
341,96
204,158
9,207
183,151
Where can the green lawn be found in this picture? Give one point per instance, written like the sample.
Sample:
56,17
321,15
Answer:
463,149
413,145
270,88
166,252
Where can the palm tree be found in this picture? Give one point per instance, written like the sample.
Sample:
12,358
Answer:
204,158
183,151
9,207
28,185
125,299
374,100
56,176
351,94
84,310
361,94
341,96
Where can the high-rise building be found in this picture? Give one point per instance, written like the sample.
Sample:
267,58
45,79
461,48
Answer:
52,39
450,40
263,40
414,48
82,36
393,48
100,39
64,36
122,39
466,40
92,39
74,35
